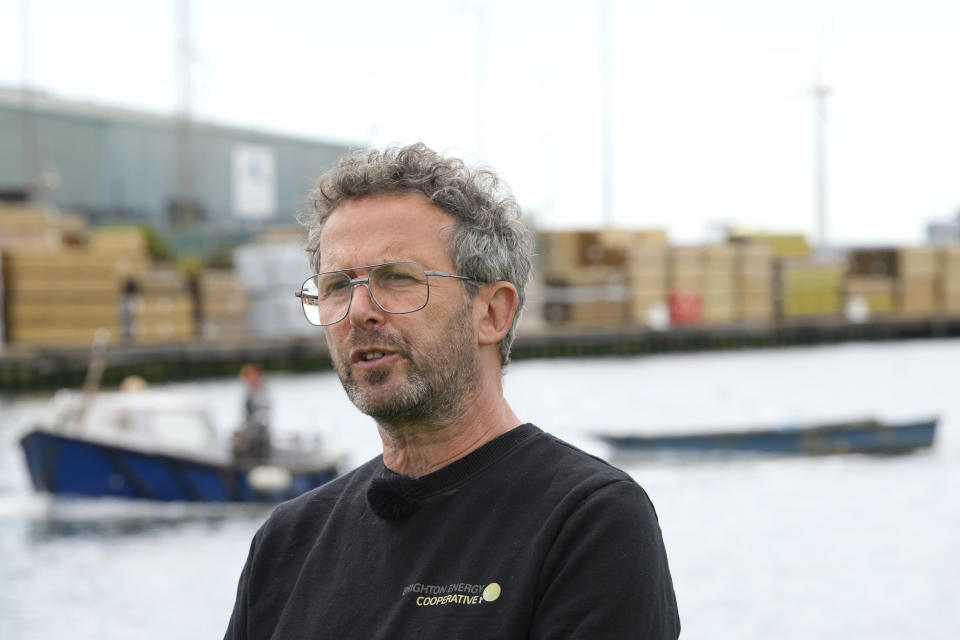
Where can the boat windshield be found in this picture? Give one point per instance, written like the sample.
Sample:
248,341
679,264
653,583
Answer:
181,429
155,427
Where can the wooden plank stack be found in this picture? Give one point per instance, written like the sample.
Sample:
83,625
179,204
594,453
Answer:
877,292
783,245
61,297
810,288
591,296
948,279
718,284
58,292
917,281
646,280
754,283
703,284
872,278
685,279
223,304
585,277
24,228
160,308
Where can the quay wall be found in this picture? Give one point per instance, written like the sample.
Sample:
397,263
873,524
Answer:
28,369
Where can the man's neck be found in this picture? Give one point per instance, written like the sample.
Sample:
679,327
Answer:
415,452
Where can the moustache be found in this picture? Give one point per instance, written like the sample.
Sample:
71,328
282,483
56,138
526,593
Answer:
376,337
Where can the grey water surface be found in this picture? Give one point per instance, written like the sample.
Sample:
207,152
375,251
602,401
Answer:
773,548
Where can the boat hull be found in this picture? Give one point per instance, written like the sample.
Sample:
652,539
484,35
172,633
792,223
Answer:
857,437
63,465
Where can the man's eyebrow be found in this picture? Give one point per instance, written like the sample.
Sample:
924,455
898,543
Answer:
352,268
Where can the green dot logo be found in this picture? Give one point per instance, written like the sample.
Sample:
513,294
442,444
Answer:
492,592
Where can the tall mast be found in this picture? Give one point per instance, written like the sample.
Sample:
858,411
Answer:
821,92
606,164
29,147
185,210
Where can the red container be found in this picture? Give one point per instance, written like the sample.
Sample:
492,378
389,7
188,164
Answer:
686,308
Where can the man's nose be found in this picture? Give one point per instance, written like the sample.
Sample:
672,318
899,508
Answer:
363,310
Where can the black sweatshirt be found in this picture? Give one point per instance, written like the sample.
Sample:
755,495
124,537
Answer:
526,537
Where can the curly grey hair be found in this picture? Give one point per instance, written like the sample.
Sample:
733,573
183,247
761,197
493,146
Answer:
490,243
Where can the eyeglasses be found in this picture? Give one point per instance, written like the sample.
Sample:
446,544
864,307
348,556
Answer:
395,287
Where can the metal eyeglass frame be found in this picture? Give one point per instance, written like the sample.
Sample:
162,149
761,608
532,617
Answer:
366,282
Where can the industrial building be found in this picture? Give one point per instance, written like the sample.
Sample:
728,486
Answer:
199,183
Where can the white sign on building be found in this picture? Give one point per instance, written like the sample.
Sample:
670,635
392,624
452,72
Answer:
254,182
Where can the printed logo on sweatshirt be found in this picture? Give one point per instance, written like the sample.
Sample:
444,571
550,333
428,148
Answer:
460,593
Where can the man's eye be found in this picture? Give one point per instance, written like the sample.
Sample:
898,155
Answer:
334,286
397,276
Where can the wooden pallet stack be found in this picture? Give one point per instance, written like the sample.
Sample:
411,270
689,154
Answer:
948,280
585,297
754,283
159,308
917,281
25,228
685,278
783,245
223,304
718,284
810,288
585,279
872,280
59,290
647,282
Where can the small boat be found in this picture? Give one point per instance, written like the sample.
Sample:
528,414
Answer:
160,446
860,436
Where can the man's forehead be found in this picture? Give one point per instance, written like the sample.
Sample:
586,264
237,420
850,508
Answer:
385,228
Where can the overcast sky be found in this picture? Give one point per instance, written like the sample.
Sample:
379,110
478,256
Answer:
712,113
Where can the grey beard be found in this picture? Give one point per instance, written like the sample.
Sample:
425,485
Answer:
420,399
433,393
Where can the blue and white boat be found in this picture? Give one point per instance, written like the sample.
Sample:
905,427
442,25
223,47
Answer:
159,446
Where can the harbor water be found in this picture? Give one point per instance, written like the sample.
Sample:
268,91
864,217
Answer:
760,547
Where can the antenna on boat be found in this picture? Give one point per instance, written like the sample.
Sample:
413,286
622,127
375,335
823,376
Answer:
98,362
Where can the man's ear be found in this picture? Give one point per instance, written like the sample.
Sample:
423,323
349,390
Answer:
498,302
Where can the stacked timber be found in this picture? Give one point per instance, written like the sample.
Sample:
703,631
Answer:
754,283
584,282
584,297
28,228
917,281
602,278
642,256
159,308
223,305
872,280
61,297
949,279
686,276
702,284
59,292
810,288
877,293
783,245
718,284
559,249
646,272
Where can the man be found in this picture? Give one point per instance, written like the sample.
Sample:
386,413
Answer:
251,442
471,524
